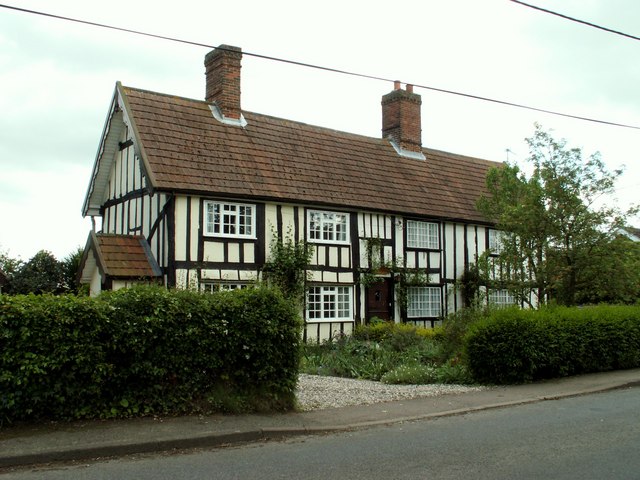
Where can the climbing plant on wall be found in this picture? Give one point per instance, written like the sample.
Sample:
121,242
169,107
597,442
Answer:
286,267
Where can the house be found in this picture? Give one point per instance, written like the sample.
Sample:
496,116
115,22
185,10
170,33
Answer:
205,186
631,233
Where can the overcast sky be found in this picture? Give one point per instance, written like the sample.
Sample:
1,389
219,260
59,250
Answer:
57,79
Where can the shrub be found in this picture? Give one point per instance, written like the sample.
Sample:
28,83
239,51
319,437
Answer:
53,357
422,374
513,345
146,350
372,351
373,332
412,374
454,328
382,331
349,357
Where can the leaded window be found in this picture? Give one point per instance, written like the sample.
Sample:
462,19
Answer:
424,302
422,235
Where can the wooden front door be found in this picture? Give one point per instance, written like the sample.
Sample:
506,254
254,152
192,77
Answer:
379,300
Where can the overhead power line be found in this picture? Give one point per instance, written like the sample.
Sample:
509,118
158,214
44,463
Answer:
567,17
328,69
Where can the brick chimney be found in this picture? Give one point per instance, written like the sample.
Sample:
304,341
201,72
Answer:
223,80
401,120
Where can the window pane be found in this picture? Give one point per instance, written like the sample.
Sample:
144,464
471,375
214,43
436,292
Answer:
344,302
501,298
314,225
329,303
228,219
210,218
328,226
423,302
341,228
422,234
327,231
432,235
495,242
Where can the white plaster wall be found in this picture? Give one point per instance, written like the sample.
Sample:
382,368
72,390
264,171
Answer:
95,285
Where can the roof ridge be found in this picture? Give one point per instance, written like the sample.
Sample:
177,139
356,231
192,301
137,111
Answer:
427,150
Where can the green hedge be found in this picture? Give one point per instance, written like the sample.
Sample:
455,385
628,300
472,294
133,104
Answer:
146,350
515,345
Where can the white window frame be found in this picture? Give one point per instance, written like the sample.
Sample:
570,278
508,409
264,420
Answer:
501,298
424,302
329,303
239,217
211,287
495,241
423,235
327,227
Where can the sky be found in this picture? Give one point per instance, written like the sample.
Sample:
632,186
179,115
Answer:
57,79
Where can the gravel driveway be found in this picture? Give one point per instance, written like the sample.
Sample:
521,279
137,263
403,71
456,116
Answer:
316,392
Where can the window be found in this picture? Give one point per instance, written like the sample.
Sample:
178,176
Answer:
495,241
501,298
422,235
210,287
327,303
229,219
423,302
328,226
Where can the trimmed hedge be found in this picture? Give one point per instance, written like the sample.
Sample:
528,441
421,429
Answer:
516,346
147,350
381,331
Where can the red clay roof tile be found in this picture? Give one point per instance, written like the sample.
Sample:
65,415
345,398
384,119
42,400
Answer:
125,256
188,150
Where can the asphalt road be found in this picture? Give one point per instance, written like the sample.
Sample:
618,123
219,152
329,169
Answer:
589,437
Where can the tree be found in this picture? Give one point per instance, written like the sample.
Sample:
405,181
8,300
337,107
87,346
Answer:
41,274
616,277
9,265
70,266
555,238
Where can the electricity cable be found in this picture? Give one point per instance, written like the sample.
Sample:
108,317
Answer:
327,69
573,19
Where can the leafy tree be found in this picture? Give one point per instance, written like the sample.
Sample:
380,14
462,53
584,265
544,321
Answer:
9,265
555,236
41,274
615,277
70,266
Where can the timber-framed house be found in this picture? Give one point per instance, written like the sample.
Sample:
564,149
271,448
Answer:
197,188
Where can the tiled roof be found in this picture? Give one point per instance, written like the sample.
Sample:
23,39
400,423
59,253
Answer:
125,256
188,150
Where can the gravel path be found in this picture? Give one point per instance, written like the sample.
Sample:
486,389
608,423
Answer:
317,392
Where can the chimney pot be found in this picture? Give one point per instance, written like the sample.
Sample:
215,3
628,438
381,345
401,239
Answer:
409,88
396,85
